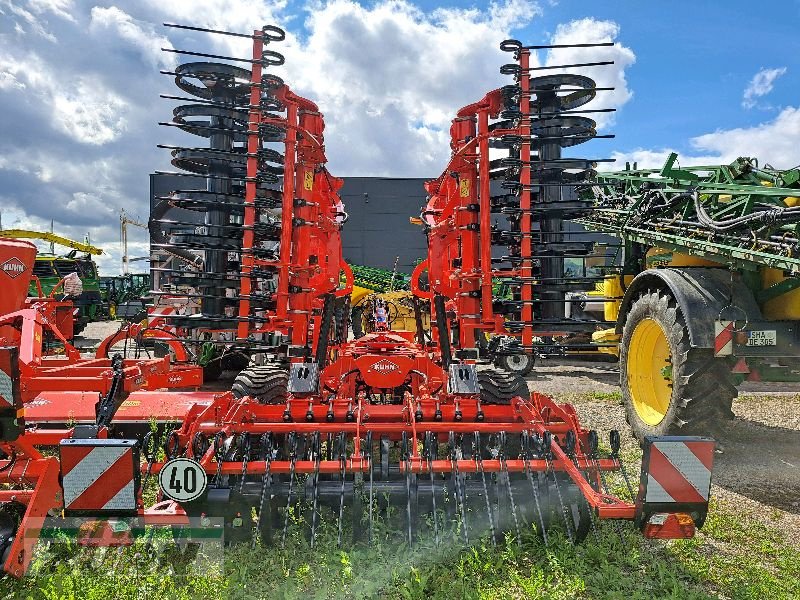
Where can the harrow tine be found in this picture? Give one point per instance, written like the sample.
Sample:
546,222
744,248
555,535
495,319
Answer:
526,449
507,476
371,493
244,447
315,443
405,457
266,491
342,451
292,462
615,442
430,440
547,440
591,451
456,477
479,460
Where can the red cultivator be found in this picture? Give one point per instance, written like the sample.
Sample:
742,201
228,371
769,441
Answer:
383,426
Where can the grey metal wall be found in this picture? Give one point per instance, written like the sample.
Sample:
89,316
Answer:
378,231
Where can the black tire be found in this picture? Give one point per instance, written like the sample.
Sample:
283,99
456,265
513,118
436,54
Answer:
356,322
266,383
701,388
521,364
212,370
499,387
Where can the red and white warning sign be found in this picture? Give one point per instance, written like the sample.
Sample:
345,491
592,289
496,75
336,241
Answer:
99,475
723,338
678,470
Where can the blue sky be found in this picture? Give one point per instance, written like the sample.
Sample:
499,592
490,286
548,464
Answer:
79,87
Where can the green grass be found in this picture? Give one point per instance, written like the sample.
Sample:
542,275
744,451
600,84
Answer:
736,556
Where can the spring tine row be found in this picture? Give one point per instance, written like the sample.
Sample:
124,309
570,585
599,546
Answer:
341,443
456,478
315,481
293,462
479,460
506,476
371,493
430,440
526,449
266,485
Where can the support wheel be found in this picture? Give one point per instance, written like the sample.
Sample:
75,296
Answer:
266,383
668,387
520,364
499,387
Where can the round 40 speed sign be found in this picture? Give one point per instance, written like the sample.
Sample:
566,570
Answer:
182,479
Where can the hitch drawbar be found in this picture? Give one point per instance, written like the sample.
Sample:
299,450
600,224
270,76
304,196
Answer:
674,486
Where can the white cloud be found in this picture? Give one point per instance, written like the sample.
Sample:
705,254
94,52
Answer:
585,31
89,113
60,8
760,85
775,142
113,21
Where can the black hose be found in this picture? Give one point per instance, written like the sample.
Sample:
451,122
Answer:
443,330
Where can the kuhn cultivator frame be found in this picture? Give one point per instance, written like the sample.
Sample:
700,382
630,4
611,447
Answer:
382,421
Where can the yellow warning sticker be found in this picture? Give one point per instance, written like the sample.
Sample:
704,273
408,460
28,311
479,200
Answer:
308,180
464,188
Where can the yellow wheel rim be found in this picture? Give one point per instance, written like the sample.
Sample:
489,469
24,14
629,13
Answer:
650,371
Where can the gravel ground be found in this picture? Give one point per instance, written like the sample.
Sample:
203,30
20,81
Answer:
757,466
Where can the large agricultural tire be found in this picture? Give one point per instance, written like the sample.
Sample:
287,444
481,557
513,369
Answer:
521,363
499,387
266,383
668,387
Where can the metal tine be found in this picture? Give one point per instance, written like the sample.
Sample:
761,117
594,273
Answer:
371,496
571,441
293,460
547,441
341,443
315,448
280,33
593,456
588,64
457,485
526,450
276,59
266,487
507,477
245,450
515,45
479,460
616,441
430,440
406,457
151,441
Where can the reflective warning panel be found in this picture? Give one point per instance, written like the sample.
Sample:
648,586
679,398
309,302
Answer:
100,476
677,470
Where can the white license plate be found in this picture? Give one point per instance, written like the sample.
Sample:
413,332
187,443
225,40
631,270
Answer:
763,337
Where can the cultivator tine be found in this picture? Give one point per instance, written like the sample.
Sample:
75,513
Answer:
292,463
341,443
479,460
315,448
371,488
244,449
406,457
150,444
428,452
458,492
616,442
592,452
507,477
547,440
266,490
526,453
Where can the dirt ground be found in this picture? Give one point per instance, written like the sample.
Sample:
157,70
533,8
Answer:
757,465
